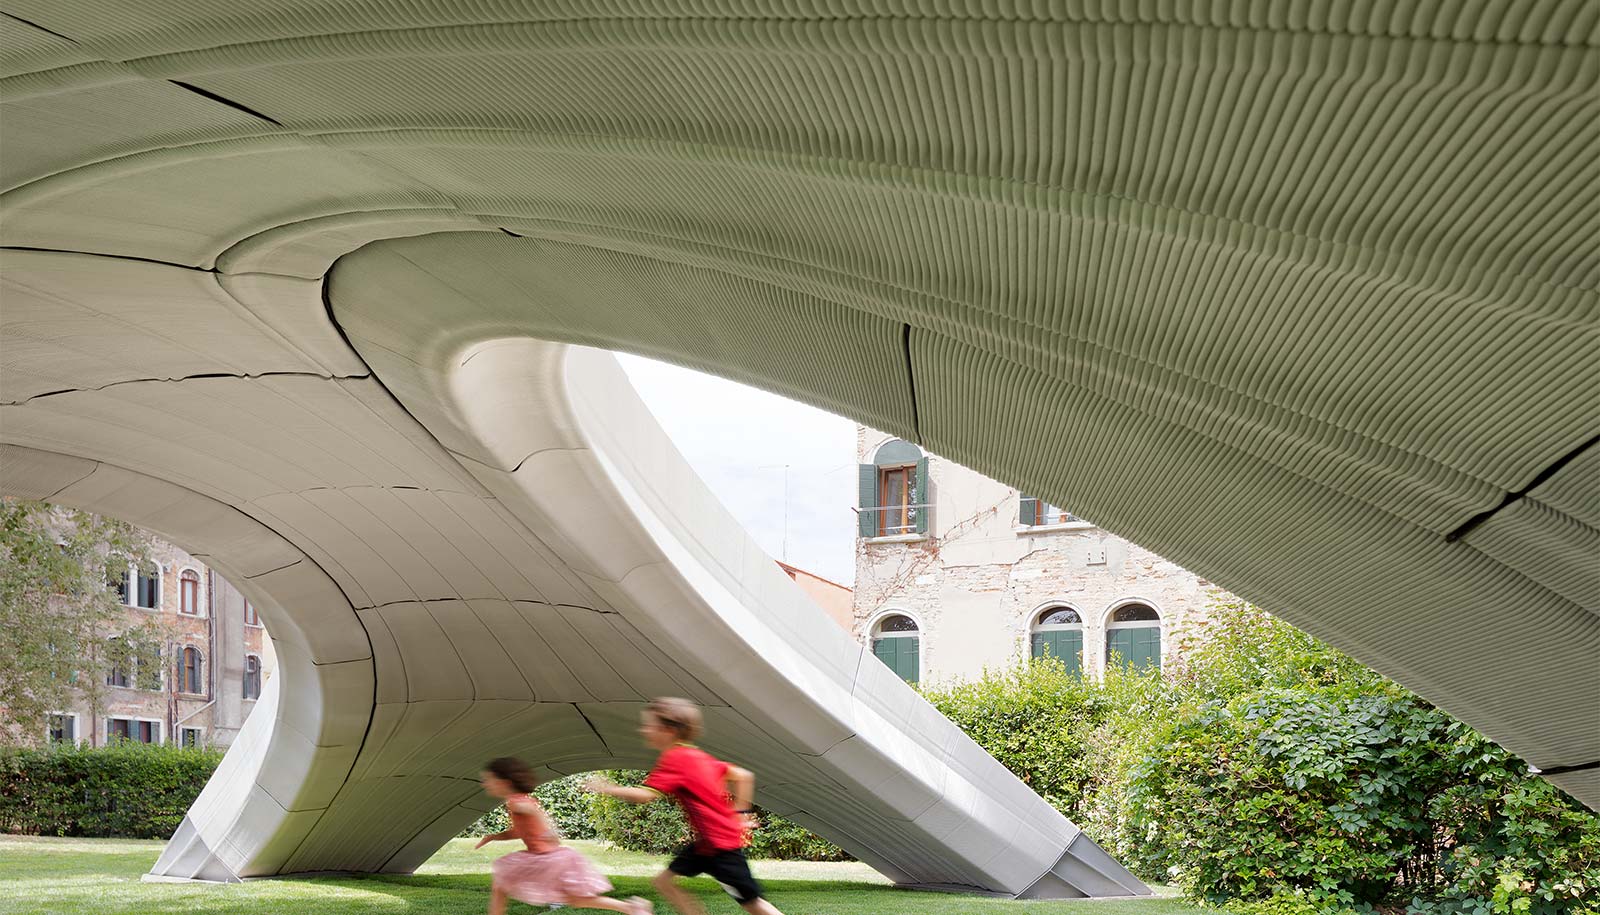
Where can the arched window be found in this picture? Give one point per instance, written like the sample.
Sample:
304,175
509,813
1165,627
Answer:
1058,635
252,677
1133,633
897,642
189,671
189,592
894,492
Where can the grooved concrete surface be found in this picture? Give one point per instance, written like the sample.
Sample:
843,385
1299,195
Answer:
1290,293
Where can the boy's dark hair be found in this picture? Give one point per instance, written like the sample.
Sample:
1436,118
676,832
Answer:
679,716
515,771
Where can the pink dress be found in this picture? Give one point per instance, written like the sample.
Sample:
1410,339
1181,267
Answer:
546,871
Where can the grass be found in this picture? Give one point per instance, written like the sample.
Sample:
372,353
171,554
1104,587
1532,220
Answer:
47,876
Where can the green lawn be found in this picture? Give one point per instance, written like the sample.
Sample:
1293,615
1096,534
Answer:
43,876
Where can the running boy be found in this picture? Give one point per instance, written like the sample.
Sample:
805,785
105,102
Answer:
700,783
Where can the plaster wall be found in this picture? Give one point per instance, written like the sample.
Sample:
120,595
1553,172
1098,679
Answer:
835,599
979,580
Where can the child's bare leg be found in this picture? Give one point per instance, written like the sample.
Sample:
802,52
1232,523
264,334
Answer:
666,883
601,902
497,901
759,907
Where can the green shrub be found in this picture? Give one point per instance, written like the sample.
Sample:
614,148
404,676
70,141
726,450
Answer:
568,806
561,798
1036,718
127,790
660,829
1268,772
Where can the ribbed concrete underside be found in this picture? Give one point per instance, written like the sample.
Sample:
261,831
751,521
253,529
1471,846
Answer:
1301,295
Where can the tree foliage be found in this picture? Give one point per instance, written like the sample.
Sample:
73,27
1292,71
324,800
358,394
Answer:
1271,773
57,614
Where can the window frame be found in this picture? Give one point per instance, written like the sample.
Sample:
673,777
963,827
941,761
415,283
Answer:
1034,519
908,484
158,586
199,736
199,679
874,634
157,727
1036,626
877,477
245,692
1109,625
77,730
197,609
252,617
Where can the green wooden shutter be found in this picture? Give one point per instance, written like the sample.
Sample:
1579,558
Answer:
1064,645
1028,511
1139,648
919,496
884,650
1069,648
867,520
1117,644
910,659
1150,650
899,654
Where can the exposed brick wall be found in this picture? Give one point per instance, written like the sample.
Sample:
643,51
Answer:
217,631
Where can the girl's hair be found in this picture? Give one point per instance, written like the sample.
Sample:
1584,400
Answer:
515,771
680,716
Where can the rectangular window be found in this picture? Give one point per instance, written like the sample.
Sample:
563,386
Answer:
250,618
147,590
142,730
189,593
189,737
894,488
1039,513
116,676
64,728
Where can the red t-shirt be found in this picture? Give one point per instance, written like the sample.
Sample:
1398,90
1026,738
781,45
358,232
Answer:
697,781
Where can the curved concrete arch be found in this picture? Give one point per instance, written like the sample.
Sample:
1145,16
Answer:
1324,277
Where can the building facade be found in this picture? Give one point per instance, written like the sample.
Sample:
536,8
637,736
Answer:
215,659
835,599
957,573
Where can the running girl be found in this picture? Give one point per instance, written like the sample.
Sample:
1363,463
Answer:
545,872
702,785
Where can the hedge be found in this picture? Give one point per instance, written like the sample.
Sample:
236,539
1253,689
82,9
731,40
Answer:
127,790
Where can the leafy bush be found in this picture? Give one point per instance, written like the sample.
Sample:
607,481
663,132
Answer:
127,790
654,828
561,798
1036,718
568,806
1266,771
659,828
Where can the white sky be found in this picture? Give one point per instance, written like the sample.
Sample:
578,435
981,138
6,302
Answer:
738,439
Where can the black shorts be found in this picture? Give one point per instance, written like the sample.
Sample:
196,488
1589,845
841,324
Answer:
728,868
